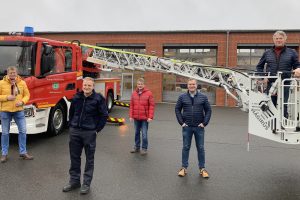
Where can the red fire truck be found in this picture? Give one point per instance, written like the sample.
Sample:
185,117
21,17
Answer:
53,71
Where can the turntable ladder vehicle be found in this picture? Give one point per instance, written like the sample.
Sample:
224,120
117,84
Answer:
265,119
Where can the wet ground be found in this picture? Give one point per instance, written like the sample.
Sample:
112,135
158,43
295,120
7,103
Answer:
268,171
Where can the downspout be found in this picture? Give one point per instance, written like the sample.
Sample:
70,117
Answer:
227,48
227,58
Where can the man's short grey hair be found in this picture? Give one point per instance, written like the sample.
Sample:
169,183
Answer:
282,33
89,79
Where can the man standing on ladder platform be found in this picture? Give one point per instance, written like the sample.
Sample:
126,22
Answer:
279,58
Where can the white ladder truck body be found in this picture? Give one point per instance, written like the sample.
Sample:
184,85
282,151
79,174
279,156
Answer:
265,119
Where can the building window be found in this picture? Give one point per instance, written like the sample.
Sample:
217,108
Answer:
206,56
249,55
135,48
126,80
247,58
174,85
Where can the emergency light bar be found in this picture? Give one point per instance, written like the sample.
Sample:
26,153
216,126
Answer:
28,31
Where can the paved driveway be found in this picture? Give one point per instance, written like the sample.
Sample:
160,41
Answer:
269,171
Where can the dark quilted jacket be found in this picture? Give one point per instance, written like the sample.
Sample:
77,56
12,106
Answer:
194,112
287,61
88,113
142,105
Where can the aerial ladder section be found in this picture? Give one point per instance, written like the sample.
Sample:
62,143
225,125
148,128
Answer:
265,119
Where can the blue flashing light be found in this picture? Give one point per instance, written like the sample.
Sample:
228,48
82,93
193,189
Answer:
28,31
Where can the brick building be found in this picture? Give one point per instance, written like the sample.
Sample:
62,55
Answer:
241,49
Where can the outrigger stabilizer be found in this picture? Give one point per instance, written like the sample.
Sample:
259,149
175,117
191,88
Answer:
115,120
122,104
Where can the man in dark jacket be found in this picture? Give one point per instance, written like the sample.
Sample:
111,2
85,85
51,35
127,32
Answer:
279,59
87,117
193,113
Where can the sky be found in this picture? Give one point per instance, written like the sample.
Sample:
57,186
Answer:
149,15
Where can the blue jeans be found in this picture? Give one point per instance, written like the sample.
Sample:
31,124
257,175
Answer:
141,126
19,118
187,134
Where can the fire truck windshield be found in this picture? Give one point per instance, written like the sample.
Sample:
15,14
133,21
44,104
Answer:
18,55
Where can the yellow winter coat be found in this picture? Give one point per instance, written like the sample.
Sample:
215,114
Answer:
5,90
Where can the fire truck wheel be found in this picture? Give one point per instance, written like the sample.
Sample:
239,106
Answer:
57,120
109,101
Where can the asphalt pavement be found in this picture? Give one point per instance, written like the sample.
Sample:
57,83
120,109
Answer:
268,171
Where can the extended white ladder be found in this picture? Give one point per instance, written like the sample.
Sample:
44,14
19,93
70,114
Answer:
265,119
235,83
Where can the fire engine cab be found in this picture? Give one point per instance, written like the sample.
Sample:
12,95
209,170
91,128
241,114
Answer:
53,71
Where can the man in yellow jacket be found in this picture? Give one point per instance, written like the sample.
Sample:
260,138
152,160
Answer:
13,95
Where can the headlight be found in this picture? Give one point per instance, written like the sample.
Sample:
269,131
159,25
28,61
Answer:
29,112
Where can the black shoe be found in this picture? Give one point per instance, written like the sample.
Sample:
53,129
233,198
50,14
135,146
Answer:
84,189
70,187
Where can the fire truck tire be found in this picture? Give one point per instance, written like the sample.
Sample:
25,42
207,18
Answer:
110,101
57,120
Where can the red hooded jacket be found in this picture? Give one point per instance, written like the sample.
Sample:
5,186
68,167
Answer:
142,105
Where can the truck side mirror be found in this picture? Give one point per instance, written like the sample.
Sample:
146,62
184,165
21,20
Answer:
47,49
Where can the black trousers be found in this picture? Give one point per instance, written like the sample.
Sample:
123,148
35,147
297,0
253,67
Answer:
286,94
80,139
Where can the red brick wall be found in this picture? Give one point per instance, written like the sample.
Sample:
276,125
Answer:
153,81
154,42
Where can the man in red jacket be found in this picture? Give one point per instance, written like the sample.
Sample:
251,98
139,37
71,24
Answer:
141,112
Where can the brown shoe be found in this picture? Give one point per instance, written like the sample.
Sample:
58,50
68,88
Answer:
182,172
26,156
3,158
144,152
204,173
